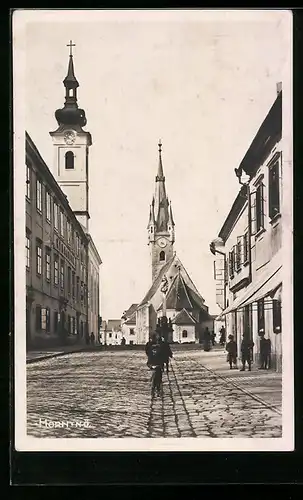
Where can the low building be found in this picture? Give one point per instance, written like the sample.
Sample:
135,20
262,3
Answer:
102,332
113,332
250,241
128,325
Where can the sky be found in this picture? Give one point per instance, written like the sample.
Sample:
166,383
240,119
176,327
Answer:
202,81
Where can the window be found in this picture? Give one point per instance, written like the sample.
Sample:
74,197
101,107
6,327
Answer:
259,208
162,256
62,274
78,288
62,223
131,342
132,331
56,270
273,190
38,257
277,320
110,335
261,319
56,321
231,263
56,216
38,317
245,248
238,252
184,334
48,206
69,277
69,160
73,284
28,182
77,244
45,319
39,195
27,251
69,231
48,263
82,291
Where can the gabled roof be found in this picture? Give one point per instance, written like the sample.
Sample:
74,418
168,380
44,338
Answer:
129,312
114,324
177,296
131,320
156,283
184,318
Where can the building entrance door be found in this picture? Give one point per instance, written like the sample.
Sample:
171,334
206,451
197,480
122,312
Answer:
28,327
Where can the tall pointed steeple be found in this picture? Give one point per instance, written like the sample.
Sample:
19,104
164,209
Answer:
161,202
70,114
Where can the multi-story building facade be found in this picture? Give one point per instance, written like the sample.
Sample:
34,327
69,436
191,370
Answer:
56,248
62,260
250,241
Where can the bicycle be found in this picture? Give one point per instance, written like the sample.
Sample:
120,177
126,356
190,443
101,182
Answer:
156,379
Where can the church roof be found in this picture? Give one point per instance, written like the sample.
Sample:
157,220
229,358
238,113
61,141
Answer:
157,282
184,318
178,296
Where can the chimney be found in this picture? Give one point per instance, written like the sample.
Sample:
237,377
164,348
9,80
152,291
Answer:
279,87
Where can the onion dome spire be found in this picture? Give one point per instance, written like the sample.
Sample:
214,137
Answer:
70,114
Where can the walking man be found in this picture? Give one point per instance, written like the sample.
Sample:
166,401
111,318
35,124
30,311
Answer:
155,358
246,352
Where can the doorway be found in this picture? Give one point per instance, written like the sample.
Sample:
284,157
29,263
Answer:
28,327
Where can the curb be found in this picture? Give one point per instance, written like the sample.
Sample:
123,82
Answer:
55,355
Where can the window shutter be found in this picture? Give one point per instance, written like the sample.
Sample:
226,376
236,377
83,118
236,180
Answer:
262,205
253,205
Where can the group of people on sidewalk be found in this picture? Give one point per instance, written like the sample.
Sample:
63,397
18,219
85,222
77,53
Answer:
247,352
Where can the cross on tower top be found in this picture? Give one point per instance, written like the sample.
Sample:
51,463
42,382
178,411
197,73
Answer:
71,45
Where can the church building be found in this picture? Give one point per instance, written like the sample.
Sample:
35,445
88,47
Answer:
181,303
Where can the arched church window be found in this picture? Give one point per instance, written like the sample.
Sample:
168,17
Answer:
69,160
162,255
151,229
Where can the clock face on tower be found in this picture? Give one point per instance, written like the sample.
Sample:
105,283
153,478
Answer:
70,137
162,242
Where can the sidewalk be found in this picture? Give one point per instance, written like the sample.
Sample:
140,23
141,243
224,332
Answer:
51,352
265,385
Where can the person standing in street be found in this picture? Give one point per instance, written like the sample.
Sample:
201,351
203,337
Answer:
231,348
246,352
223,335
207,339
213,338
265,351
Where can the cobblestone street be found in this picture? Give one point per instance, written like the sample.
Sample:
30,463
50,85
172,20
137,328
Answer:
110,391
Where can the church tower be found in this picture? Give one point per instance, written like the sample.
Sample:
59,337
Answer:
71,148
161,226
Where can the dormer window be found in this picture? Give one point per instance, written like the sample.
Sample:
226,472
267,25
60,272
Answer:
69,160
